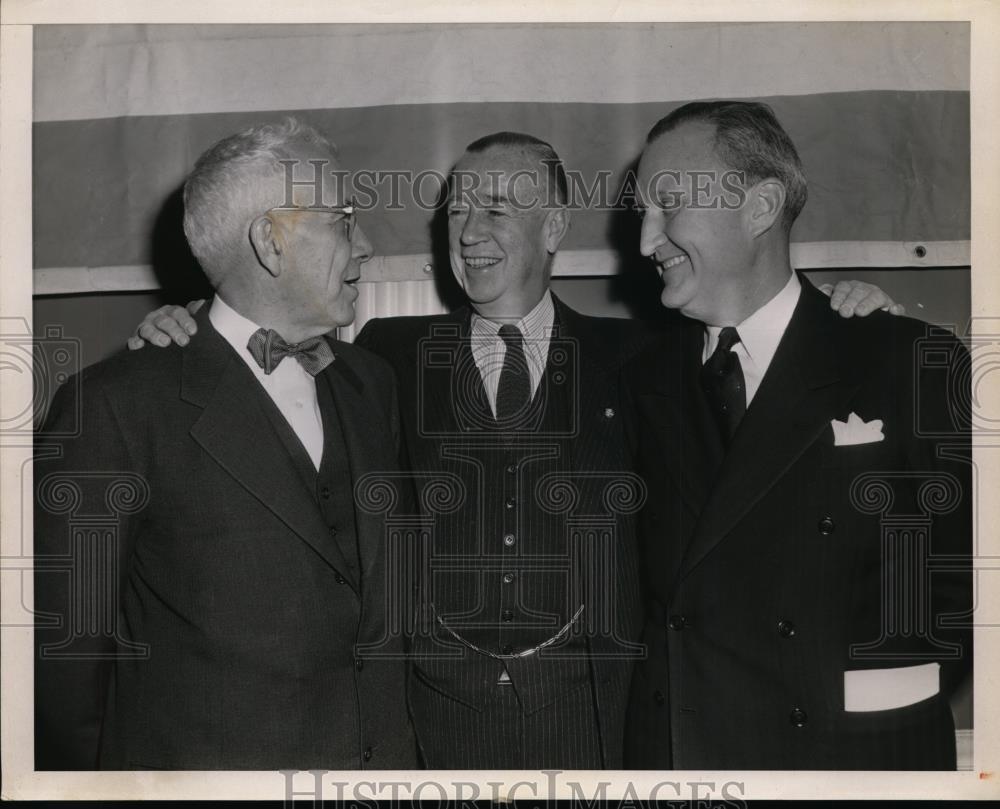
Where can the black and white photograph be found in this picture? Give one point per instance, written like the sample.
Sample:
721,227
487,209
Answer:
600,405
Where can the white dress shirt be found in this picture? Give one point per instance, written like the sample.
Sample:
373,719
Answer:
759,335
289,385
489,349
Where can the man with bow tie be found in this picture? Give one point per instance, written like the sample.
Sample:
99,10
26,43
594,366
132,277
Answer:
216,619
807,537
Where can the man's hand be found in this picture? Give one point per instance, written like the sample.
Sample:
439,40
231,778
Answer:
859,298
166,324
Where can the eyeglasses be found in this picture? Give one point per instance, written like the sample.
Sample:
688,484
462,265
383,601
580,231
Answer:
349,212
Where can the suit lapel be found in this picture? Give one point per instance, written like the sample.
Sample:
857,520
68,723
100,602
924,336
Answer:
235,430
587,376
450,387
365,441
802,390
676,407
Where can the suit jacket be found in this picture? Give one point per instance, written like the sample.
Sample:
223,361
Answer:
546,486
774,568
194,609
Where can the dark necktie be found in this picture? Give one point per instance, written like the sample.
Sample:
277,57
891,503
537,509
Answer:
722,379
514,387
269,349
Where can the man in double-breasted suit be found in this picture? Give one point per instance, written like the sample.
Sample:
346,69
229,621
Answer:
204,581
807,535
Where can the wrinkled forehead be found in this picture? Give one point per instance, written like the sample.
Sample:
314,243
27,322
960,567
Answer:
498,175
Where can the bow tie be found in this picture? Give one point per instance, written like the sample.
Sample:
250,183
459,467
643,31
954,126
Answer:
269,349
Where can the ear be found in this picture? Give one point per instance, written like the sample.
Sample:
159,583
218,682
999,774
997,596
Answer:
555,229
767,201
267,244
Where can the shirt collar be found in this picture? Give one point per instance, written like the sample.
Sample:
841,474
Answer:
762,331
235,328
535,327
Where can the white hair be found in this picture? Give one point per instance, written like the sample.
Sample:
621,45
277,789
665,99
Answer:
236,180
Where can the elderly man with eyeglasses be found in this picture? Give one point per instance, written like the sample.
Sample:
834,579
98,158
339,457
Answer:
218,623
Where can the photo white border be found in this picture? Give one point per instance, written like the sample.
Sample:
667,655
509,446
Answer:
16,732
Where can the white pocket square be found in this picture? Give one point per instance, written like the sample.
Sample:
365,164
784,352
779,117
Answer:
856,431
884,689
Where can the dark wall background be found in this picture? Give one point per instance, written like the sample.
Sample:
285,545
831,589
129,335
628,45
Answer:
102,322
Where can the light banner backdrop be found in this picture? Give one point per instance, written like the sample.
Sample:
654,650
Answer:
879,112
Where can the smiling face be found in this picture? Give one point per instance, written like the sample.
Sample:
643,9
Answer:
700,246
500,238
320,263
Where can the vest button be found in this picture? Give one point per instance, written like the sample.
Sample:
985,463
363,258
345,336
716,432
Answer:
359,663
826,526
512,469
677,622
507,649
367,755
797,717
333,530
325,493
511,502
658,697
508,578
508,540
507,616
786,629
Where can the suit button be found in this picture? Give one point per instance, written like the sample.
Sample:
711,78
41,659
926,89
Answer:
658,697
333,530
512,469
325,493
340,579
508,578
508,540
677,622
507,616
359,664
511,502
786,629
367,755
797,717
507,649
826,526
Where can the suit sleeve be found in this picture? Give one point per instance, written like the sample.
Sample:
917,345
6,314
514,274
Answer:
367,337
942,443
72,648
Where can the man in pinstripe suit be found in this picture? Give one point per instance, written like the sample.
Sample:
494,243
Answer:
531,604
525,655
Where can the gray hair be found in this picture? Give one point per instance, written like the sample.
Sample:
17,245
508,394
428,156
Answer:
236,180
